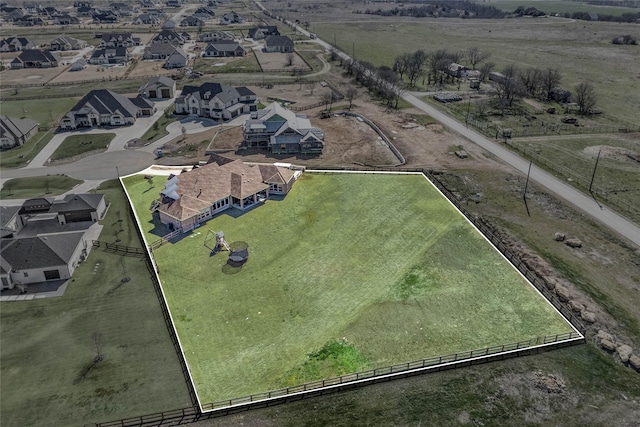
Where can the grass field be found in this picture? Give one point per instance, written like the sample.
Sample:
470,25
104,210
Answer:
580,50
348,272
561,7
48,378
78,145
37,186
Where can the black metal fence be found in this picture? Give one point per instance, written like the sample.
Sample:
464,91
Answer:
119,249
432,364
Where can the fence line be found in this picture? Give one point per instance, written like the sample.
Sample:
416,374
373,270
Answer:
436,363
119,249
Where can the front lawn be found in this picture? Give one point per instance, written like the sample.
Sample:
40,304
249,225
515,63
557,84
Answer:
37,186
79,145
346,273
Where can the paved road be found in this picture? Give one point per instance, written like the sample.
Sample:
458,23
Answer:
585,203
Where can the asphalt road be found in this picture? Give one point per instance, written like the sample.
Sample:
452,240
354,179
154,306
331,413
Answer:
611,219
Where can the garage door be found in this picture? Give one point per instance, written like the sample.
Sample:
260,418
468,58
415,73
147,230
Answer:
165,93
51,274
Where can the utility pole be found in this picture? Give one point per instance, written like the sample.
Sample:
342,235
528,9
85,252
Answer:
524,193
593,176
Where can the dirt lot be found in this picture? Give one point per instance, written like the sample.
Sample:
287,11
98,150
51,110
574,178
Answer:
279,61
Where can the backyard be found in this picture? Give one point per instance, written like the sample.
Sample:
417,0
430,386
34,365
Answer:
387,272
49,346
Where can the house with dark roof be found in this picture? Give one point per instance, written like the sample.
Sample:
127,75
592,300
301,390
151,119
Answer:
193,197
282,44
216,100
168,36
177,59
15,132
29,21
119,40
102,107
15,44
281,131
147,19
43,258
34,58
259,33
66,19
191,21
215,36
160,87
67,43
158,51
110,55
223,49
231,18
105,18
10,221
71,208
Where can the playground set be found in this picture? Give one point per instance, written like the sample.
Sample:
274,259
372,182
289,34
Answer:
237,255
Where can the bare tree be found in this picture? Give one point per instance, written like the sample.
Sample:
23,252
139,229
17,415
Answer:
509,88
486,68
311,86
415,67
351,95
439,62
550,79
327,99
475,56
585,97
290,57
96,339
401,64
482,105
531,80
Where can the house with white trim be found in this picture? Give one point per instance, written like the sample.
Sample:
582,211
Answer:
216,100
15,132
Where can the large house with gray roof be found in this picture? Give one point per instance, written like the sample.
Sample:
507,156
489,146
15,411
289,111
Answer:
223,48
45,239
34,58
282,131
216,100
15,132
102,107
193,197
16,44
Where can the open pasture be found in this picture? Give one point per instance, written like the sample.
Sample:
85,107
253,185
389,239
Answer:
580,50
346,273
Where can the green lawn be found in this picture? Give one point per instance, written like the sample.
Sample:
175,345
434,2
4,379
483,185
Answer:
78,145
48,378
561,7
37,186
347,273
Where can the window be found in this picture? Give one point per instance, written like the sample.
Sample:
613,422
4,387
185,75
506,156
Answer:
26,274
51,274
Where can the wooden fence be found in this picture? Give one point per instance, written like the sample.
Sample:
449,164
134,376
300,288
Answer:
314,388
119,249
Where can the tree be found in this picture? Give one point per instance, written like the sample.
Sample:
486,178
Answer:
475,56
550,79
311,86
290,57
585,97
306,25
531,80
509,88
351,95
401,64
415,66
486,68
439,62
327,99
96,339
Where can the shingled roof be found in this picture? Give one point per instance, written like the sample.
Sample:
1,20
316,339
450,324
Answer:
105,101
41,251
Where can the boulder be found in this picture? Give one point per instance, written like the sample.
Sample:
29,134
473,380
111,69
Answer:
634,361
588,316
574,243
607,345
624,351
563,293
602,335
559,237
576,306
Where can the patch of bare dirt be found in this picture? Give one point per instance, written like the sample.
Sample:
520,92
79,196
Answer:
613,153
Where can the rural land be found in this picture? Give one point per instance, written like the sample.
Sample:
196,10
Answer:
320,213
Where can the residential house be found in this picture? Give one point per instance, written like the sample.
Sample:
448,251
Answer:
457,70
161,87
169,24
80,64
148,4
282,132
106,18
231,18
15,132
33,256
67,43
178,59
168,36
38,259
191,21
32,8
147,19
34,58
215,36
29,21
110,55
173,3
123,9
87,11
119,40
12,14
158,51
51,12
205,11
195,196
259,33
102,107
282,44
216,100
82,3
15,44
223,49
66,19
